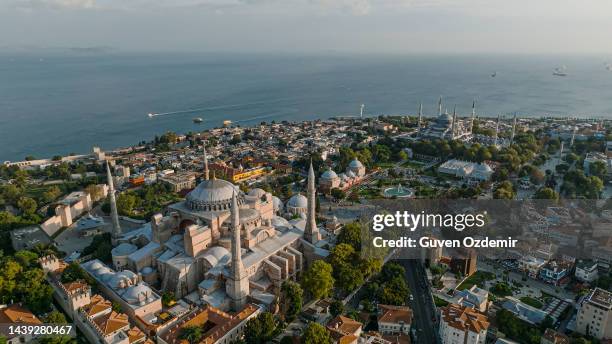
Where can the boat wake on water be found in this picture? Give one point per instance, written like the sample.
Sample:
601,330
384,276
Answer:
212,108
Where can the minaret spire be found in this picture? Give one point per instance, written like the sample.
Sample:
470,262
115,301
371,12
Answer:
311,232
420,115
497,129
237,267
237,286
573,136
473,116
454,125
440,106
113,205
206,172
513,129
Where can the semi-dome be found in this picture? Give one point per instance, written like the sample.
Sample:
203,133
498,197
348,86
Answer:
278,204
355,164
217,255
248,214
298,201
350,174
146,270
278,221
213,195
329,174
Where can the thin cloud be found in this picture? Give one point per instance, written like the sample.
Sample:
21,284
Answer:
54,4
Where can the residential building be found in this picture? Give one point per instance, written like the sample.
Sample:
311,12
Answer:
16,314
344,330
460,325
586,271
554,272
474,297
531,265
394,320
594,318
553,337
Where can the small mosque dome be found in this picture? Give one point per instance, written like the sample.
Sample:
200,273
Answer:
298,201
329,175
355,164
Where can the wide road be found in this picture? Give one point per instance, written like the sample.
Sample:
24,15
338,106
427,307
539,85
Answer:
422,304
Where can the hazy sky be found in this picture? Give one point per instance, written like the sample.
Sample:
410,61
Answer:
393,26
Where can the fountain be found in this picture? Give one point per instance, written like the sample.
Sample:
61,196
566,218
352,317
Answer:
399,192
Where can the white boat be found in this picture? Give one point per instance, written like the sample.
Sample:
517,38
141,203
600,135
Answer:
560,71
198,120
151,115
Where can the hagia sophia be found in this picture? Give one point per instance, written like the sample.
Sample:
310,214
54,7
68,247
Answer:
219,246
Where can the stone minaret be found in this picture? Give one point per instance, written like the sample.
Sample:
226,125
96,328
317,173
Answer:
113,205
574,137
237,285
513,129
497,129
473,116
311,232
206,172
440,106
420,115
454,125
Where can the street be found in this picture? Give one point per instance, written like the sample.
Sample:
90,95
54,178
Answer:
422,305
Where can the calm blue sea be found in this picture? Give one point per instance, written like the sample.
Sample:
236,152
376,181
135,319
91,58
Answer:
60,103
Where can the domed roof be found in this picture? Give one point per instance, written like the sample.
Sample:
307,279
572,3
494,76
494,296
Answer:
355,164
217,255
329,174
257,192
278,204
212,192
119,281
123,249
278,221
298,201
106,276
444,118
483,168
248,214
138,294
350,174
95,266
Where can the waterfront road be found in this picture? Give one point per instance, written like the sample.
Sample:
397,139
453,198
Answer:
424,322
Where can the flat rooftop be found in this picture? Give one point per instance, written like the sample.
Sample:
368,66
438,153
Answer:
601,298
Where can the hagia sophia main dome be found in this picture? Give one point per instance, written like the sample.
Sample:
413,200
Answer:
213,195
